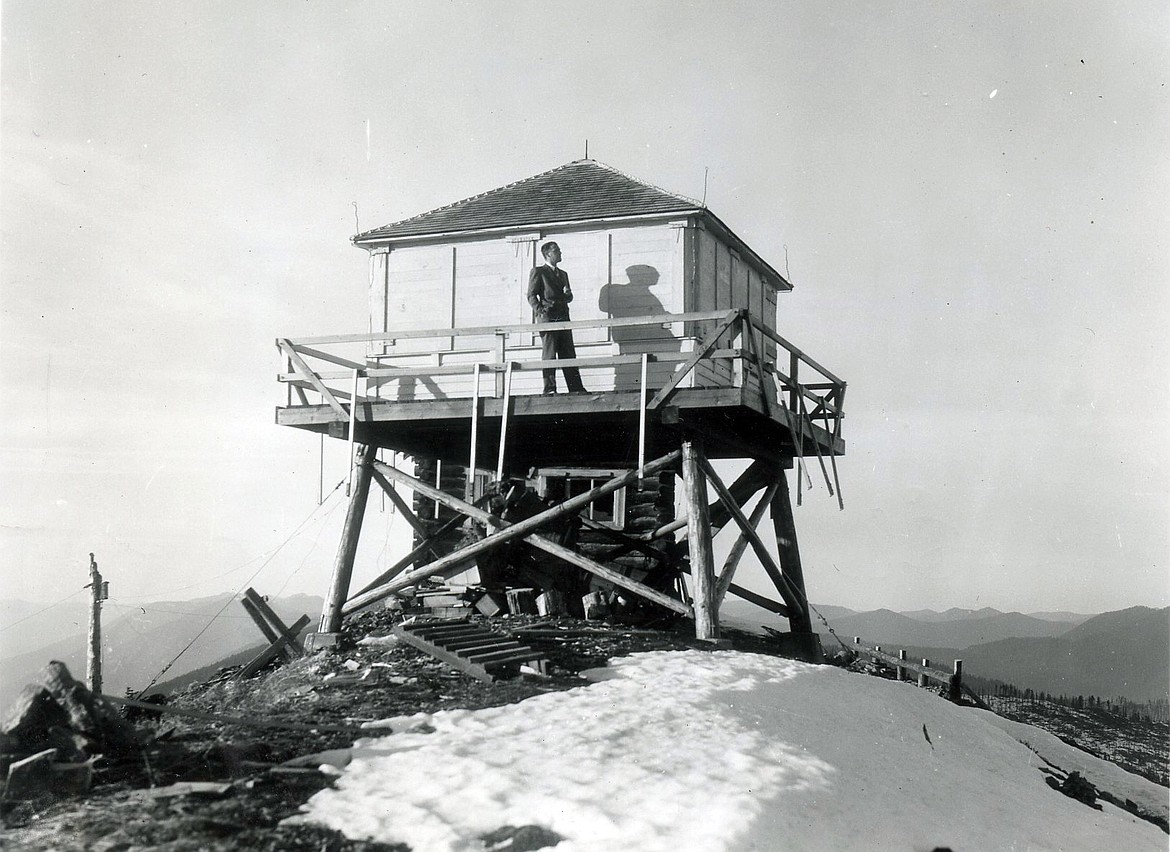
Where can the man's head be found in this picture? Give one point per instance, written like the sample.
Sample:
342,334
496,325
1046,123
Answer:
552,253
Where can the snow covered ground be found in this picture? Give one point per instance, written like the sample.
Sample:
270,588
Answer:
712,752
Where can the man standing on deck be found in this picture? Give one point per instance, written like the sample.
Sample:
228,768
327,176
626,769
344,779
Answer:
549,294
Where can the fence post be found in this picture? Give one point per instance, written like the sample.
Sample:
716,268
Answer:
900,671
922,679
955,687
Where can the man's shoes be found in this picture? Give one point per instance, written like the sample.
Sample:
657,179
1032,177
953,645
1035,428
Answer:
578,391
549,393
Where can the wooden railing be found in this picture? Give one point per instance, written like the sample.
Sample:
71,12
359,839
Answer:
951,680
335,367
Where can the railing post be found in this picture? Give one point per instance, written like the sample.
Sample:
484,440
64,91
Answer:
737,343
501,353
922,678
900,671
642,417
794,376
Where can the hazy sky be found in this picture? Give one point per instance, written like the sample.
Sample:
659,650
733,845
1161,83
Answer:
972,198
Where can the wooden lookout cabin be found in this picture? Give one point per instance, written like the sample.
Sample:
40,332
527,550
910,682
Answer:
678,342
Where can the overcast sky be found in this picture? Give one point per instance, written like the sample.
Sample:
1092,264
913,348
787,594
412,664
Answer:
971,200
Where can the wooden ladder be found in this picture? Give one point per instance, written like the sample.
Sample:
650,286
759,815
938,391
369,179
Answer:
474,650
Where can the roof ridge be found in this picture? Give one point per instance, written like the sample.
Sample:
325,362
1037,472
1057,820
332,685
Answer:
645,183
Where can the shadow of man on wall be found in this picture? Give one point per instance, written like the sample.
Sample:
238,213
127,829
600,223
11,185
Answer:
633,298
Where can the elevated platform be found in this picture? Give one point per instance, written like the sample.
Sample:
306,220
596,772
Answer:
721,376
587,430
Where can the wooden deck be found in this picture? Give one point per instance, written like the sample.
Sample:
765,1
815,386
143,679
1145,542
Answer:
763,407
591,430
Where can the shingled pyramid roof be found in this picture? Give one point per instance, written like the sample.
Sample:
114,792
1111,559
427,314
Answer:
582,190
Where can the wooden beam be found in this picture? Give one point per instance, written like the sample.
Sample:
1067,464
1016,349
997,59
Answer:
606,573
751,597
422,547
270,653
708,343
331,612
784,526
400,504
305,373
782,583
699,539
741,544
506,532
274,620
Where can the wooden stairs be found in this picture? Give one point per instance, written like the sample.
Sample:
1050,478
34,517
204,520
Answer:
474,650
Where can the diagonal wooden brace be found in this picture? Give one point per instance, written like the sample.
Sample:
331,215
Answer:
741,544
698,355
792,598
298,364
523,529
278,626
269,654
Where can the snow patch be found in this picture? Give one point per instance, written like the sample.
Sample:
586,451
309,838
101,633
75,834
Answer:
680,751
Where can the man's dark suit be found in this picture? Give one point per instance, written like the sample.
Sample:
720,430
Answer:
549,294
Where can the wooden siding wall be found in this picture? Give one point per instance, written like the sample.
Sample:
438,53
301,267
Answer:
615,272
724,281
618,272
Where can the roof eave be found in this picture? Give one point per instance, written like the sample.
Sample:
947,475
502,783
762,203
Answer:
372,238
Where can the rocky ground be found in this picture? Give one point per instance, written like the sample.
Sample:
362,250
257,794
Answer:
203,784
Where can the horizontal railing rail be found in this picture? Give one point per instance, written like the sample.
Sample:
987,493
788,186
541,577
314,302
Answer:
807,391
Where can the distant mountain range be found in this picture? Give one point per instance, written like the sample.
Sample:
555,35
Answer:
137,641
1116,654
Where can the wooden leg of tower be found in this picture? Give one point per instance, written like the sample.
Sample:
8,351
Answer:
350,532
785,527
699,540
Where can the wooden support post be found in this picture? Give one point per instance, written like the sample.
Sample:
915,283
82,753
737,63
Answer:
353,402
784,526
350,532
699,540
922,678
504,422
423,546
900,671
265,628
469,490
955,685
642,417
93,658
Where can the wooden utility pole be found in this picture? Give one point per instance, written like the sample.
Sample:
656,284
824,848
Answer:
93,657
699,542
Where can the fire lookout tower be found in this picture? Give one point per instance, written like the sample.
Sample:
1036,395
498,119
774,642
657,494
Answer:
675,324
